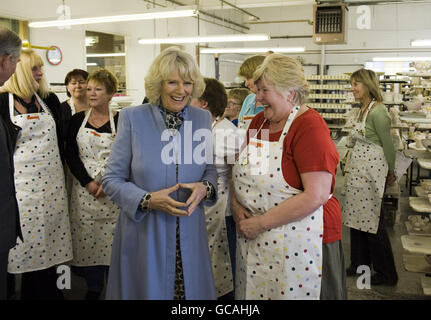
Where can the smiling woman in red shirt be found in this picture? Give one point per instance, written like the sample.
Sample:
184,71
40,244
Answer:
287,213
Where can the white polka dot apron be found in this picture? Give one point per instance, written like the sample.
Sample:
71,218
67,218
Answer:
365,181
217,233
41,194
92,220
285,262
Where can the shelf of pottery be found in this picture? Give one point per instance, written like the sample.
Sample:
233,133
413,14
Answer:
392,90
422,202
330,96
417,241
417,97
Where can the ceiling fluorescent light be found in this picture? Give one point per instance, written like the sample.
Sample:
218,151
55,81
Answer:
252,50
421,43
405,59
200,39
101,55
129,17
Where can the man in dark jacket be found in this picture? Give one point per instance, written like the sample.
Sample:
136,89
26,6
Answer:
10,48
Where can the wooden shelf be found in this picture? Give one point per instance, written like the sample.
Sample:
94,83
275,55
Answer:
321,99
328,77
393,103
326,115
342,106
329,87
327,96
392,81
414,74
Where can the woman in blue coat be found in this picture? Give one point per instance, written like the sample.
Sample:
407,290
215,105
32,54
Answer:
160,172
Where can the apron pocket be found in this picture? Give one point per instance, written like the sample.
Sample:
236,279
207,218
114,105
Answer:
266,257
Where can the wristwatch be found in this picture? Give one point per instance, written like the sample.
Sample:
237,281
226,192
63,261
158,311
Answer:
145,202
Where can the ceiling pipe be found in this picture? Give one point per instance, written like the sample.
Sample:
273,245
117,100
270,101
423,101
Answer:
239,9
224,20
280,21
349,51
213,16
372,3
206,20
291,37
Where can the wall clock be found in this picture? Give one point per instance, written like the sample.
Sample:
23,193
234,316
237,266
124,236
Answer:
54,55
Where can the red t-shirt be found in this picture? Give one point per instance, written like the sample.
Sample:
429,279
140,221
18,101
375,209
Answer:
308,147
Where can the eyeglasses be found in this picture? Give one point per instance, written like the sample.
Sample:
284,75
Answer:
232,104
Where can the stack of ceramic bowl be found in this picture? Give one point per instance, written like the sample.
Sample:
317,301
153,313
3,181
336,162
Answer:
419,222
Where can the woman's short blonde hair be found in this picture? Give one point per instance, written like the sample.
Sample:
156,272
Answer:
105,77
168,61
369,79
249,66
286,74
22,82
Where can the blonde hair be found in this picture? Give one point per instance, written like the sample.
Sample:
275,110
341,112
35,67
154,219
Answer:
168,61
286,74
238,94
369,79
22,82
249,66
105,77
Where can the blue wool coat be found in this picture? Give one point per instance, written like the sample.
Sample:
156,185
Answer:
143,252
